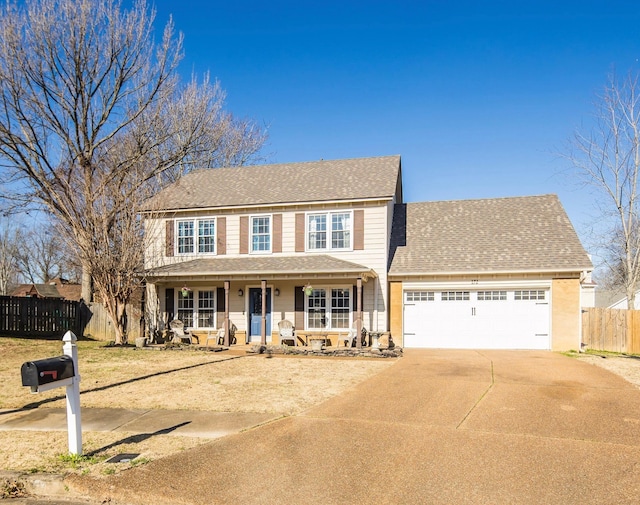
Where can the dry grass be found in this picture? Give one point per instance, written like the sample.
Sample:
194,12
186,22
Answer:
168,379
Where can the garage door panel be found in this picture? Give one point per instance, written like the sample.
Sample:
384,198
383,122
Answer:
500,319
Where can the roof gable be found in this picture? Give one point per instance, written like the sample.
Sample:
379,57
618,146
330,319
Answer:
349,179
37,291
494,235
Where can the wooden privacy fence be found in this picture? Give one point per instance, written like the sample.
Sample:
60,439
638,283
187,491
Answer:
100,327
24,317
45,317
614,330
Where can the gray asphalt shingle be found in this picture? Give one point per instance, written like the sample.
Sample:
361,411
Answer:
528,233
350,179
264,265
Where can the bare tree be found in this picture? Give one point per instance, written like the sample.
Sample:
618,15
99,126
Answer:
92,116
43,255
8,249
607,158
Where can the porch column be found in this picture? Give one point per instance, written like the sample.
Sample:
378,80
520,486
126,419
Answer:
359,314
227,338
263,325
151,310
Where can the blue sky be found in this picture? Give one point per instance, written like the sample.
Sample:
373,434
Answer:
477,97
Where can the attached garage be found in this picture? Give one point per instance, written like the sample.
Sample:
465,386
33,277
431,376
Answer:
477,319
501,273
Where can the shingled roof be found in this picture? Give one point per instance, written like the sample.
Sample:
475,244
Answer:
266,266
520,234
331,180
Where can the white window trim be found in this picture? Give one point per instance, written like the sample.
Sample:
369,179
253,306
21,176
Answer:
196,296
196,237
328,214
328,327
251,218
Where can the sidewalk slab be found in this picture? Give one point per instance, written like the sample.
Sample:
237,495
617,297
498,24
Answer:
171,422
44,419
195,423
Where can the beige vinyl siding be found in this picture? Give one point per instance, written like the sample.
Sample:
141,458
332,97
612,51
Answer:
233,235
373,256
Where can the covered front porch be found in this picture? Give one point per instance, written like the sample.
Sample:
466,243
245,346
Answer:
320,296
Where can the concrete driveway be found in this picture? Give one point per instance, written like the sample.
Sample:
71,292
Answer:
438,427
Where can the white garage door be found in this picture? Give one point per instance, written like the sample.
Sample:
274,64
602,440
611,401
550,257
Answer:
495,319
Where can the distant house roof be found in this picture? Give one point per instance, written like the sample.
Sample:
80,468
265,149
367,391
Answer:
69,290
350,179
37,291
57,288
521,234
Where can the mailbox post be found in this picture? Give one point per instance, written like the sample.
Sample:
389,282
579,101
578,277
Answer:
47,374
74,424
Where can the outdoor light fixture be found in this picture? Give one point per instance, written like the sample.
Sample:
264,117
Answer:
277,292
240,292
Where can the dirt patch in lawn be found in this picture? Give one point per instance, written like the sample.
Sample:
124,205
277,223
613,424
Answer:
627,367
186,379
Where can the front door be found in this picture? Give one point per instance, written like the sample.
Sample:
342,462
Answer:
255,314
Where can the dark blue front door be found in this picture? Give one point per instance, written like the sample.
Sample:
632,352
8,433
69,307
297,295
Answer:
255,313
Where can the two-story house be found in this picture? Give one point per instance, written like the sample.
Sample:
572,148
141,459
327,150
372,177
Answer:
238,237
330,244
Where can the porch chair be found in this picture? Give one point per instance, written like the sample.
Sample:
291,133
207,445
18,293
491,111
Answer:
218,335
349,338
177,328
286,332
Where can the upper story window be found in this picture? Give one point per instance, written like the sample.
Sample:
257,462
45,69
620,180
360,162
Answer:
329,230
206,236
260,234
196,235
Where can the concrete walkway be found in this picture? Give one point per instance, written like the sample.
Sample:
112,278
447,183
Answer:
153,422
439,427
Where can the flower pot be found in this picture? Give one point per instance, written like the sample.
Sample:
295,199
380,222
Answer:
317,344
308,291
141,342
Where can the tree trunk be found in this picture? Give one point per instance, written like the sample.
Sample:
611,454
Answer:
631,296
121,322
87,284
